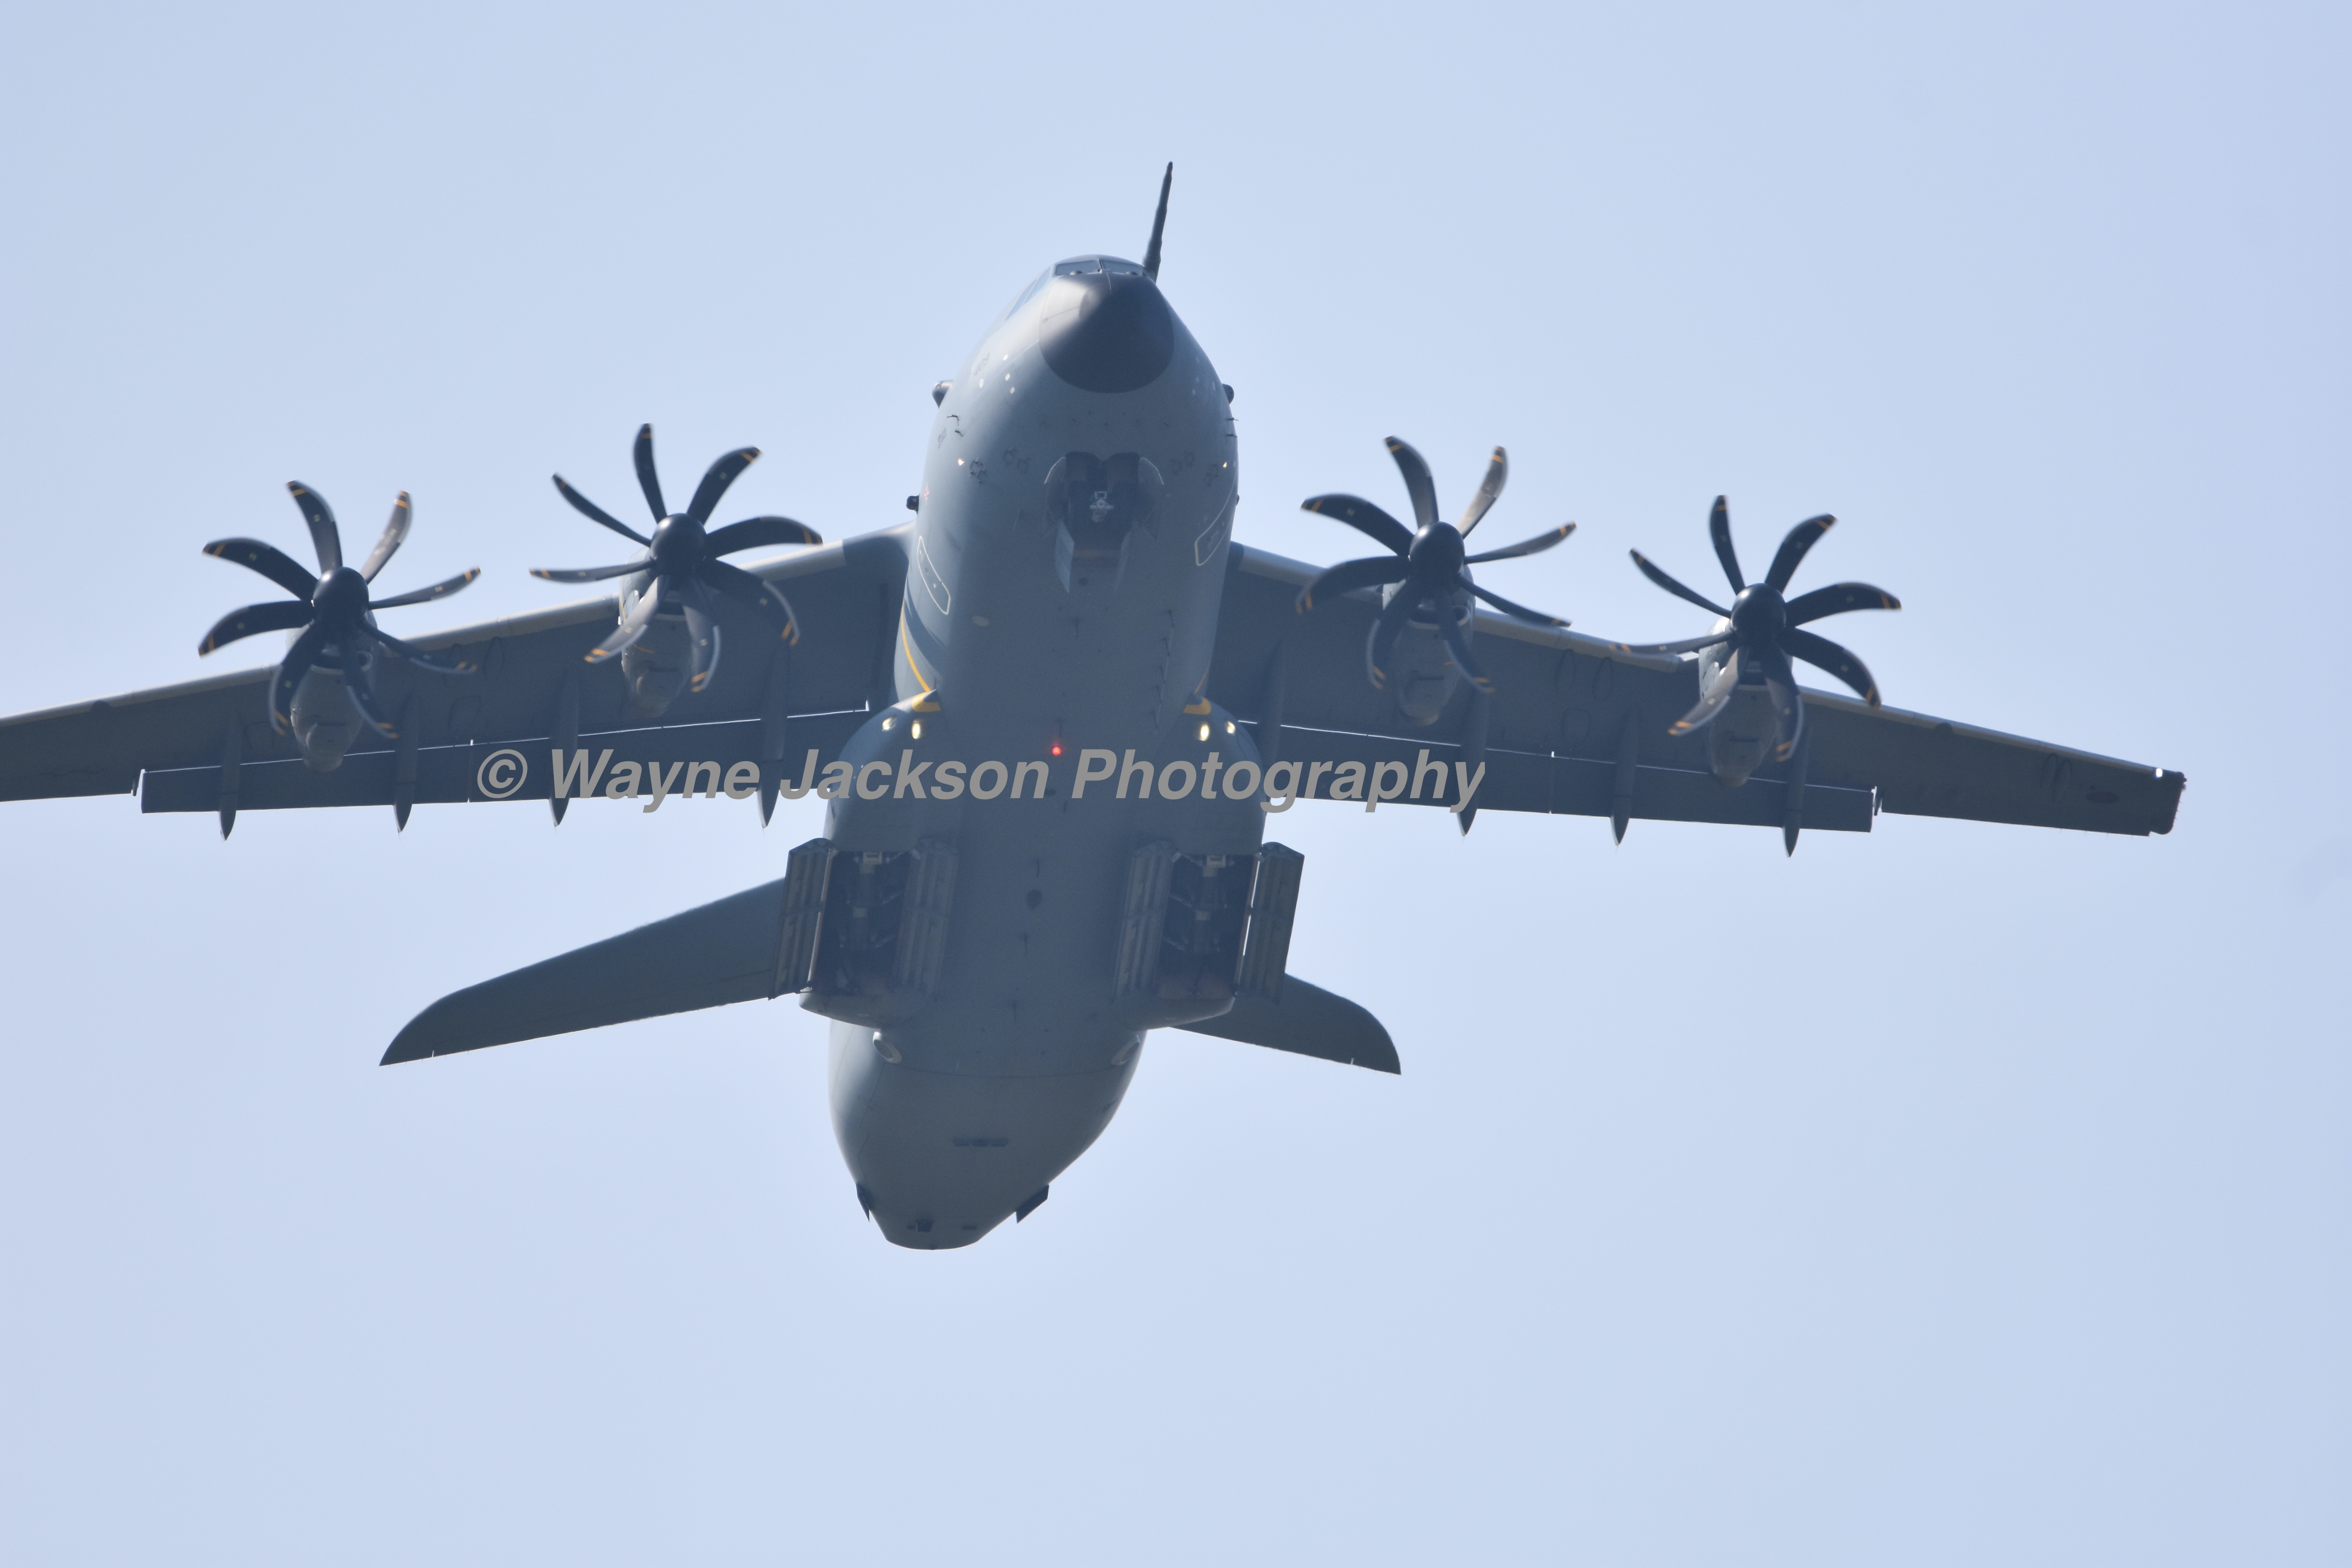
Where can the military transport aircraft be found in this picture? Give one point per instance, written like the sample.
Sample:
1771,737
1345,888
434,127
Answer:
1052,714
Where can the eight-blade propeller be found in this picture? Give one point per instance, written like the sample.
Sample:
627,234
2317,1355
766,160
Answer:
334,606
683,554
1766,631
1428,559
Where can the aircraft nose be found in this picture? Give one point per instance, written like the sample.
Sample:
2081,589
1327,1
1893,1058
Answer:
1107,332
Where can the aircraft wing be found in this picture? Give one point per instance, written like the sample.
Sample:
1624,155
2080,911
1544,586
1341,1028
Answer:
1576,725
198,738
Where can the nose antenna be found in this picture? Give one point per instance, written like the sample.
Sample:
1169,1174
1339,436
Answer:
1159,224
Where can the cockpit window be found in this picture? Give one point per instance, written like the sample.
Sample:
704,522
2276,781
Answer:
1095,264
1030,292
1075,265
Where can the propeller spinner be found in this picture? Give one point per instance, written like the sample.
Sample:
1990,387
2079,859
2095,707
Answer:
683,555
334,606
1766,628
1428,559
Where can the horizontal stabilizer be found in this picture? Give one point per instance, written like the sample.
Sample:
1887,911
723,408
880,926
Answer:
1309,1022
706,957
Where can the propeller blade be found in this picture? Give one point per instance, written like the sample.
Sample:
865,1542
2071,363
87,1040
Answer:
702,632
359,680
278,616
1711,700
426,596
756,592
1498,468
1801,538
291,671
1827,655
394,533
1677,589
1379,646
269,560
753,532
418,656
633,626
716,480
1535,546
1417,482
1349,575
588,574
1457,643
324,537
1508,609
1688,645
1364,517
1719,528
1837,599
647,479
595,513
1788,702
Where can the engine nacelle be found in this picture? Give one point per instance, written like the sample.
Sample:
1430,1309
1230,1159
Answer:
1745,733
326,721
659,664
1423,677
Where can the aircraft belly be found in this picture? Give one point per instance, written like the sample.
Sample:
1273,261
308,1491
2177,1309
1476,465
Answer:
944,1158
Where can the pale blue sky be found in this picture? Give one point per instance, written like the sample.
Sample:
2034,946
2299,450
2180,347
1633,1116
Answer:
1954,1194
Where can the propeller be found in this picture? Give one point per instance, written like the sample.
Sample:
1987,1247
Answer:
1766,629
1427,559
334,606
683,556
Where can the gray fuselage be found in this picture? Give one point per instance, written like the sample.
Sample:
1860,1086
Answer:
1077,499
